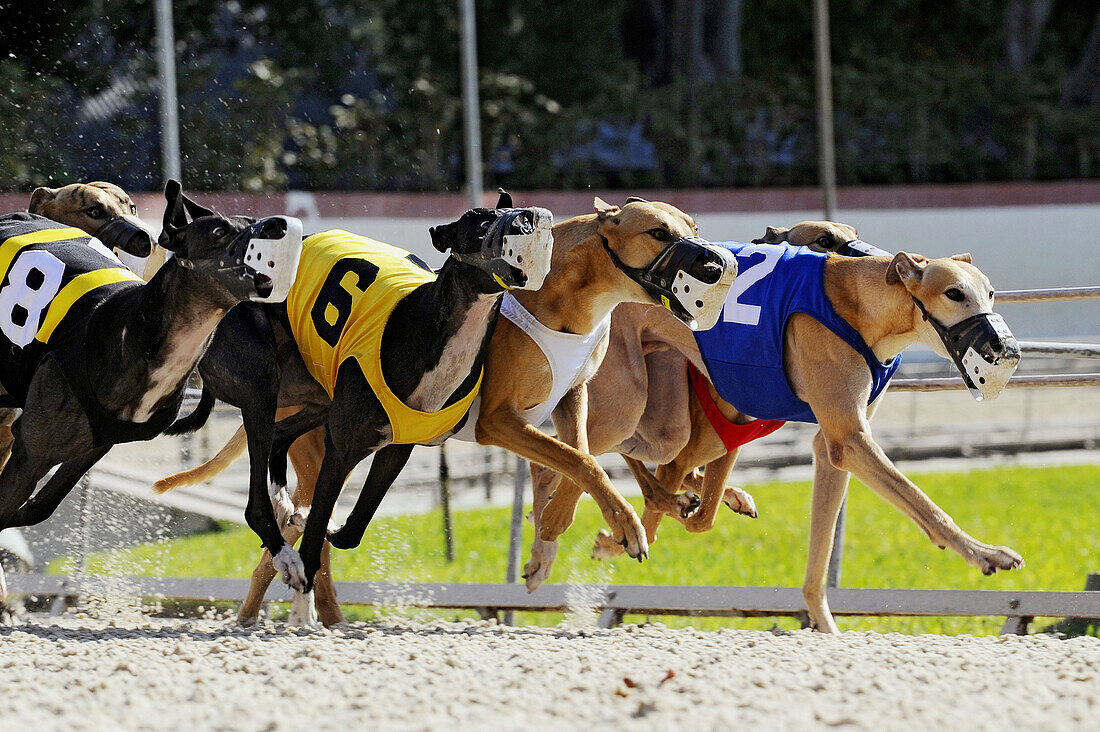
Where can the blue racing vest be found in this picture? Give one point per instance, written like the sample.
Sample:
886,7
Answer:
743,353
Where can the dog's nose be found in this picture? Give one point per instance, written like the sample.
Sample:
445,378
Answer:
271,228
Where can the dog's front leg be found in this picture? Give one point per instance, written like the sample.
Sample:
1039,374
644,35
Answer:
384,469
49,497
505,428
852,448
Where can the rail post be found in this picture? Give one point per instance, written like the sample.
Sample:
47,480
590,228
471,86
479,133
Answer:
515,538
445,502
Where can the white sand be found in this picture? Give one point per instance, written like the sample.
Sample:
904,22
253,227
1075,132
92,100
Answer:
86,674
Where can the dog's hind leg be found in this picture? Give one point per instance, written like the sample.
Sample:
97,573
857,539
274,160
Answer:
544,482
830,487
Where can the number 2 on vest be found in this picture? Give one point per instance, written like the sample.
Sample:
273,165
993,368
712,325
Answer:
743,313
334,294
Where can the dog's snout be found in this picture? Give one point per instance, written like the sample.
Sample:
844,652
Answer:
272,228
708,272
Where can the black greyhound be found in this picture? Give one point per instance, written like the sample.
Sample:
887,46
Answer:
94,356
431,354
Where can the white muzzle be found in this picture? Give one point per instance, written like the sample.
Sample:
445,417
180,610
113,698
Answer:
531,253
277,259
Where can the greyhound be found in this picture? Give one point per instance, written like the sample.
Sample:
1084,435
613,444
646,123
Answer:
94,356
102,210
888,302
393,364
550,343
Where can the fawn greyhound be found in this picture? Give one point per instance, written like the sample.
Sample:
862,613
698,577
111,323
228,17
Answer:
825,362
549,344
94,356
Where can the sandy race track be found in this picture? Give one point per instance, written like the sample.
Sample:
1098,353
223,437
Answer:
85,674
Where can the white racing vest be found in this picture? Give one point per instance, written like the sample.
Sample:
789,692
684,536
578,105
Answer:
567,354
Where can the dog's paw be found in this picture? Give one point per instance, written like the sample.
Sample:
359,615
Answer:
298,518
302,611
740,501
289,566
687,503
282,505
991,558
604,547
627,530
537,569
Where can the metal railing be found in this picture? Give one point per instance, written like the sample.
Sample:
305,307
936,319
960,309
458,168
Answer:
1018,607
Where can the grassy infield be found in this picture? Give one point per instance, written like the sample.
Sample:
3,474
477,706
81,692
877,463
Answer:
1048,515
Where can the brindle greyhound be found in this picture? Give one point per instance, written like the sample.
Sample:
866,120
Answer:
888,301
102,209
583,286
432,351
111,366
90,207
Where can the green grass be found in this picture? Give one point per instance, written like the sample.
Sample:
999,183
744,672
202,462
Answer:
1047,514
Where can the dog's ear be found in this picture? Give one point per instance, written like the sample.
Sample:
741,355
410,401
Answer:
443,236
773,235
636,199
604,210
906,268
40,198
964,257
175,216
505,200
195,210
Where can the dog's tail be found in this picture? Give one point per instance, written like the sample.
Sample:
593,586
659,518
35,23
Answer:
197,418
225,457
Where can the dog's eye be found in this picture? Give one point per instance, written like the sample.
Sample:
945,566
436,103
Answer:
991,294
219,231
94,212
955,294
133,209
660,234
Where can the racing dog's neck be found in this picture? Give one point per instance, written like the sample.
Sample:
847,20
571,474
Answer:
437,338
583,285
883,314
162,328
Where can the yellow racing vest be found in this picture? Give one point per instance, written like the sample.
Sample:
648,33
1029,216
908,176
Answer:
344,291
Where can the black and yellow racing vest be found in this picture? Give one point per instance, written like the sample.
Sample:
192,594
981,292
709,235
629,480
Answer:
53,277
344,291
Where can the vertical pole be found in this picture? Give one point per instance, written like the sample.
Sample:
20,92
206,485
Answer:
826,160
515,539
471,107
445,501
487,476
169,104
833,578
826,151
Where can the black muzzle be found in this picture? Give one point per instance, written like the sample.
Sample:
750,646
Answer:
123,233
690,277
983,349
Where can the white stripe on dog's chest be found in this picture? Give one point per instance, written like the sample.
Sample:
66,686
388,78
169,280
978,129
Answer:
437,385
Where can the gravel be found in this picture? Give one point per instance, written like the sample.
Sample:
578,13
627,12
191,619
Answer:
82,673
